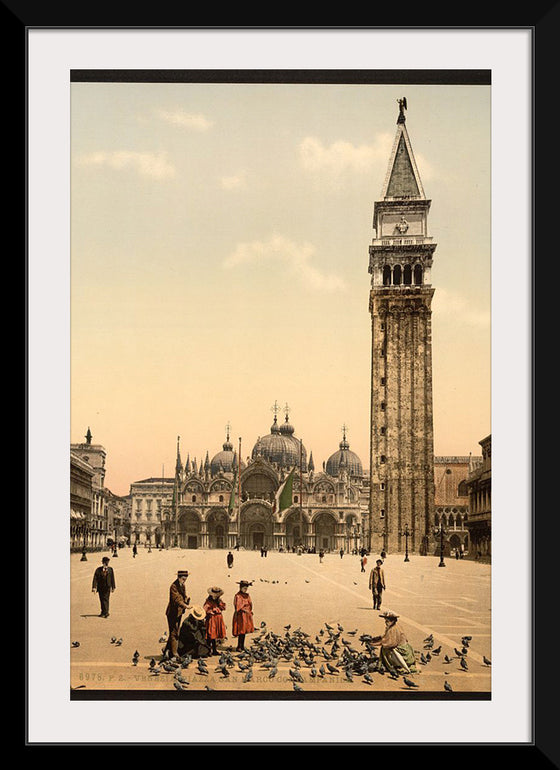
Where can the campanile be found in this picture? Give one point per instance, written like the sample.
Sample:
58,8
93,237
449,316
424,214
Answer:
401,441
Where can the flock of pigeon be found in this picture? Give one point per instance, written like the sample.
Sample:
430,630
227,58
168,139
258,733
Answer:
331,653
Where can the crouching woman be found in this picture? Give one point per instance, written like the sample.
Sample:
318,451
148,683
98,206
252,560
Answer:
396,653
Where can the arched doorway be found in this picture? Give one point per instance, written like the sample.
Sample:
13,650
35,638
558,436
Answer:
189,530
256,526
218,526
296,529
325,531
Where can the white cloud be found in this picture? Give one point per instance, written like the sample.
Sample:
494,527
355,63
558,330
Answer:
186,120
342,156
297,257
451,304
232,182
150,164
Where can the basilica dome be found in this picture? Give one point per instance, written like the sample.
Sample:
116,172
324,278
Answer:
345,458
225,460
280,447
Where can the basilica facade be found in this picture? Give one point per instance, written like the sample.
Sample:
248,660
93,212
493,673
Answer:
224,503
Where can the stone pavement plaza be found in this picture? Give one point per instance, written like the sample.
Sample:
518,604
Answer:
288,590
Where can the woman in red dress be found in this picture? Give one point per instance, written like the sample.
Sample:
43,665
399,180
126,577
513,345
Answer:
243,615
215,626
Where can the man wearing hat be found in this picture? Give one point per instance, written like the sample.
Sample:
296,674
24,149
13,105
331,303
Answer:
192,636
178,603
215,626
377,584
104,584
396,653
242,615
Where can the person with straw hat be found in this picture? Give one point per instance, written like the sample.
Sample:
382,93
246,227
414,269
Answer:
396,653
215,626
242,615
192,636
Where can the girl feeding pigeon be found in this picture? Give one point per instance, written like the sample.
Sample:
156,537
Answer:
242,615
396,653
215,626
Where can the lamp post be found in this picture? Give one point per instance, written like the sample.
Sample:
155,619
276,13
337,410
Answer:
440,530
406,535
84,557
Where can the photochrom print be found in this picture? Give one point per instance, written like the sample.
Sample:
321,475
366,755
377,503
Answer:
280,454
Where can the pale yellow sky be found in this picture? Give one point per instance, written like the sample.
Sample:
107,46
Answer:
219,263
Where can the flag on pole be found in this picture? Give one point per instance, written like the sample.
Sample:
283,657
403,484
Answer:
283,497
232,496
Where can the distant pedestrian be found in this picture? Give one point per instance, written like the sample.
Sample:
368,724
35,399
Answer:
229,560
363,562
456,553
341,552
242,615
383,555
321,556
134,550
104,584
177,604
215,626
377,584
265,552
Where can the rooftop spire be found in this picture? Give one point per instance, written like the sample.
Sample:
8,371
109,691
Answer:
403,179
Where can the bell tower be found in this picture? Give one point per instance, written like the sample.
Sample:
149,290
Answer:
401,440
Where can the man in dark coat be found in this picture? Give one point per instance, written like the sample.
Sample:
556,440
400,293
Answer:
178,603
104,584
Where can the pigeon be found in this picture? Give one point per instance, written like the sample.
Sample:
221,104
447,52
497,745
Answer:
118,642
423,659
181,678
208,688
409,682
457,652
272,673
263,624
486,661
447,659
447,687
368,679
161,640
436,651
464,651
296,687
333,669
152,663
307,581
178,686
429,638
313,672
248,676
113,639
464,664
75,644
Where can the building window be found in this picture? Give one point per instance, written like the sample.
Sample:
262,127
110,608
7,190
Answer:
382,513
296,499
382,430
383,406
382,459
221,499
382,485
193,498
383,380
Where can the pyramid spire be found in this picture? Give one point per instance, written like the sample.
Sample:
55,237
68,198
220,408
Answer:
178,464
402,179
